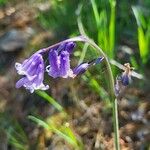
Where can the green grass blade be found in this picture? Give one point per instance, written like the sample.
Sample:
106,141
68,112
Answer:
142,44
103,32
112,27
13,141
50,100
39,122
143,37
96,87
96,13
68,137
69,132
83,53
136,14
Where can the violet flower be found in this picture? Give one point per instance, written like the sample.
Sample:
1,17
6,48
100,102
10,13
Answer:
80,69
123,80
33,68
33,71
59,60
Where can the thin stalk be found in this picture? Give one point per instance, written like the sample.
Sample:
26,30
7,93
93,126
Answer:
94,45
113,100
116,124
109,70
110,74
74,39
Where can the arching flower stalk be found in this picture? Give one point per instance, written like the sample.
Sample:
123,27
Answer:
33,68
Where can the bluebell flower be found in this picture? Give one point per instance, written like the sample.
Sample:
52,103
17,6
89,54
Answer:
65,70
126,75
123,80
80,69
32,70
65,46
59,61
69,47
118,86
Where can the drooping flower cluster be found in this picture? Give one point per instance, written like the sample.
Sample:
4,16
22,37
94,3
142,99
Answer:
33,68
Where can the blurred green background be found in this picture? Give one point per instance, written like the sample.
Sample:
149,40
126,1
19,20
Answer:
75,114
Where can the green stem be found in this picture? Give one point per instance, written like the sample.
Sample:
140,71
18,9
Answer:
110,74
112,95
116,124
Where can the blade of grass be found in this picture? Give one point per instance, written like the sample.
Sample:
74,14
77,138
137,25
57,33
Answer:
95,86
143,37
112,27
50,100
96,13
13,141
103,32
142,44
83,53
70,139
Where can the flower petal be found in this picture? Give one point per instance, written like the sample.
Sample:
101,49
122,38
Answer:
33,70
20,82
80,69
65,70
84,66
54,62
125,79
70,46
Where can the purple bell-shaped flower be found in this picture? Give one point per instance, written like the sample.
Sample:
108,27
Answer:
33,71
59,61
